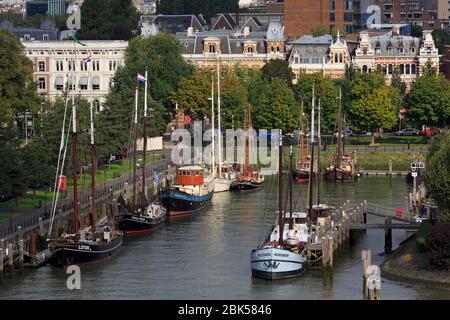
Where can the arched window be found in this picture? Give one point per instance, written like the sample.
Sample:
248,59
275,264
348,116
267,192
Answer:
402,69
364,69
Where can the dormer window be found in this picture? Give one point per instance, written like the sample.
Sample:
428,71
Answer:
212,48
45,37
250,50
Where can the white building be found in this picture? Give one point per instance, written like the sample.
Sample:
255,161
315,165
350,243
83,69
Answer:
392,51
326,55
53,66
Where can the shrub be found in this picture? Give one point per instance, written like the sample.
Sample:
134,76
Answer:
437,246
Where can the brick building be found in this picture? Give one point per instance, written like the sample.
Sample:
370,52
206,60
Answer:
301,16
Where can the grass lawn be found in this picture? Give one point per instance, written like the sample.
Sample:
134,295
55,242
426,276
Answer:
30,201
384,141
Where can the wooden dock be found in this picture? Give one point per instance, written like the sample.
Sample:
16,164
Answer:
344,227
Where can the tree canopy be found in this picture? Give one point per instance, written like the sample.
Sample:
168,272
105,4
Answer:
428,102
437,175
277,68
108,20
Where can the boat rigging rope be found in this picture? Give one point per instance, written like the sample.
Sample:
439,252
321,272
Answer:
265,212
61,147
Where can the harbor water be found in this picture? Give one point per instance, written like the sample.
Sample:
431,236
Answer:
206,255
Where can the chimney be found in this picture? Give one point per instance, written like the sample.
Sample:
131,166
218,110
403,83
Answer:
246,31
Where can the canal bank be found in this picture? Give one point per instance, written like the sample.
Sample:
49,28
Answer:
407,264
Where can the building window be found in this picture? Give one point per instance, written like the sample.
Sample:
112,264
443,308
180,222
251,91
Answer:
45,37
332,17
408,69
402,69
212,48
110,65
96,83
96,65
83,66
348,5
364,69
59,84
59,66
83,83
26,37
413,69
390,69
41,83
348,17
41,66
332,5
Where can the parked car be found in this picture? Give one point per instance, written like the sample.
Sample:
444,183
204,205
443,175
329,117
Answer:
345,133
408,132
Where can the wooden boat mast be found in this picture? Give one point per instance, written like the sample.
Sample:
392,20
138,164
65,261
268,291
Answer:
135,145
74,145
311,166
339,140
144,197
302,138
93,200
291,155
319,146
213,127
280,189
219,118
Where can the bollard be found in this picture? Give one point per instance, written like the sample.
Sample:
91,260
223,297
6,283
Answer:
390,167
324,252
366,257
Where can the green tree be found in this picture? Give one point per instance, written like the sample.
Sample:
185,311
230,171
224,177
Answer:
161,56
108,20
441,39
326,90
193,94
378,110
234,100
437,176
17,88
38,169
319,31
416,31
278,68
276,108
428,102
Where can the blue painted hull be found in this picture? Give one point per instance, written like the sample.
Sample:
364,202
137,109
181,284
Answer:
178,202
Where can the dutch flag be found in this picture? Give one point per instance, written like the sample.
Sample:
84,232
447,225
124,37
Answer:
141,77
88,58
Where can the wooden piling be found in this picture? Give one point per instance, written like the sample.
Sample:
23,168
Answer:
1,262
33,247
324,252
10,258
330,251
390,167
387,236
366,257
21,254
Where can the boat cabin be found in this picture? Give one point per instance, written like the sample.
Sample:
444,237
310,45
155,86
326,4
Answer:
192,175
320,214
298,217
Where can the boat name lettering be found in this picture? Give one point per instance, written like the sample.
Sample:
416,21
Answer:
281,255
84,247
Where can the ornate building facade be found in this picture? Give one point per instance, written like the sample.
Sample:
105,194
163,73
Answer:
230,47
53,66
394,53
326,55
